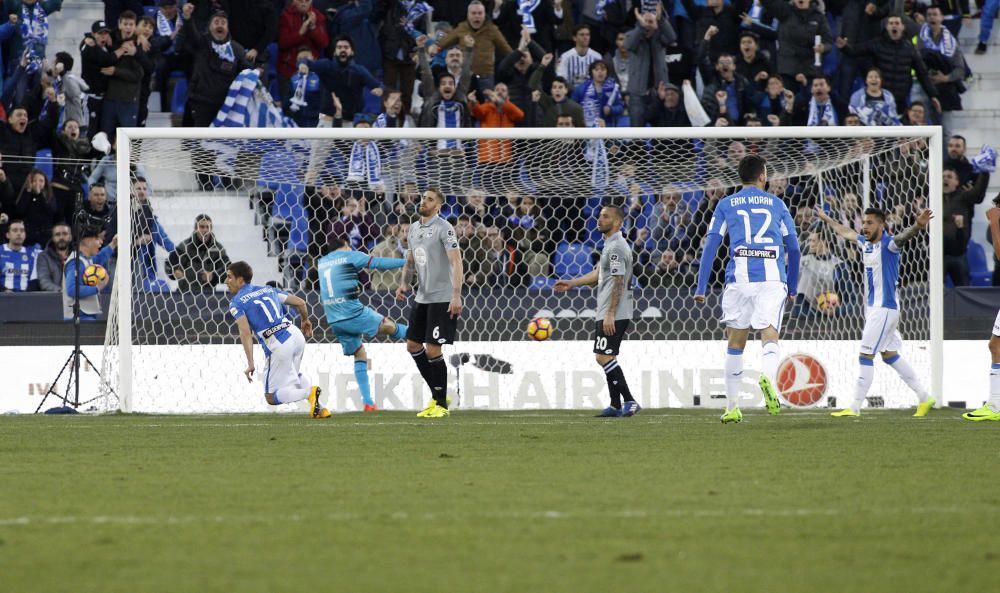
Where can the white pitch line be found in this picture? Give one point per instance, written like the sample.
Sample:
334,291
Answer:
402,516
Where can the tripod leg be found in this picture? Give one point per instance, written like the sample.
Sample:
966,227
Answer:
55,383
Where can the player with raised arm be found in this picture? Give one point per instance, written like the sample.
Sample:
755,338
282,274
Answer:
339,288
758,280
613,278
880,254
433,251
258,311
991,409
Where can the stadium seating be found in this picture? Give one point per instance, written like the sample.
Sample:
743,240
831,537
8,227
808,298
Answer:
979,272
571,260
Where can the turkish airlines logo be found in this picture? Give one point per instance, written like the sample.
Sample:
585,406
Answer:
801,380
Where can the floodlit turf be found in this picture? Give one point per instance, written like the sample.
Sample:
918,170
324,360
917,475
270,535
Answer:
547,501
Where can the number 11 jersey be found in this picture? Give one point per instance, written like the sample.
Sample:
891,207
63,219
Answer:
264,309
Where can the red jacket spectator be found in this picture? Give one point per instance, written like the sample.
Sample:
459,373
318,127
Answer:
499,112
301,25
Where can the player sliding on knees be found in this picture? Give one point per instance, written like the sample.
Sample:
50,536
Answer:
347,317
761,234
259,310
991,409
880,253
433,250
613,279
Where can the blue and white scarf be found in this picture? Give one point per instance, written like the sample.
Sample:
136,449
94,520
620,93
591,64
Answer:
945,47
224,51
599,8
597,155
525,8
248,105
165,27
449,115
986,161
34,28
366,164
821,114
414,12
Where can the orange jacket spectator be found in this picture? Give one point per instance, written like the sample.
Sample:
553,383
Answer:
300,25
499,112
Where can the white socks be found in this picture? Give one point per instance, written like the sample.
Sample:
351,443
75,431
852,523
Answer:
734,376
769,362
865,376
994,401
909,377
294,393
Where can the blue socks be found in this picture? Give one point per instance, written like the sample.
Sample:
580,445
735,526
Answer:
361,375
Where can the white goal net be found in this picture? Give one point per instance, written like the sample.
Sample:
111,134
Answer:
524,205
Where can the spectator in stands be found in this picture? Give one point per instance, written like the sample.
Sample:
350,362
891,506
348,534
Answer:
818,275
393,244
70,153
445,103
550,106
394,114
306,93
861,22
36,206
515,72
20,140
526,228
488,42
945,63
354,224
345,78
355,18
73,90
199,263
956,159
600,97
752,64
52,260
776,104
872,105
727,96
897,58
300,25
7,31
97,207
670,271
670,224
95,55
405,203
717,24
398,48
497,112
18,263
647,67
254,25
543,17
916,114
121,100
166,51
618,59
147,234
987,16
820,107
574,64
800,24
33,26
89,251
957,212
144,30
669,110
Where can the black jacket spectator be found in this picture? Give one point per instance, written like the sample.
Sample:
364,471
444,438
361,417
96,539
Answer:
211,75
515,71
49,267
668,111
859,26
93,57
962,202
896,58
124,84
509,22
198,264
725,18
797,35
20,140
36,206
253,24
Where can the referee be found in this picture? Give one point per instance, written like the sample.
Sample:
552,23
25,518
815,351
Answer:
433,251
613,278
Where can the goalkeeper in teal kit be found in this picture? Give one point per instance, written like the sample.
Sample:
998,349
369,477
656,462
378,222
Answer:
348,318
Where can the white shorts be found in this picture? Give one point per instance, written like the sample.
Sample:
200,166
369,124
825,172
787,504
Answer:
996,326
754,305
283,365
881,333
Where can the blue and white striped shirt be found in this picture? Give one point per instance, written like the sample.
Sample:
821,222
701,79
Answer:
18,268
881,260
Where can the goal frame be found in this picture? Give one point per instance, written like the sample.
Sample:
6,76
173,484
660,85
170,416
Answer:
933,134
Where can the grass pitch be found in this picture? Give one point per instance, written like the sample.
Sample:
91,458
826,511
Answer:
548,501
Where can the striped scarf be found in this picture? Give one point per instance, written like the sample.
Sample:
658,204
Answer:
224,51
366,164
945,47
821,114
986,161
525,8
34,27
596,154
449,116
414,12
248,105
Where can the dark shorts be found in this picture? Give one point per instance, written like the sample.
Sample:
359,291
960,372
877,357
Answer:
609,344
430,323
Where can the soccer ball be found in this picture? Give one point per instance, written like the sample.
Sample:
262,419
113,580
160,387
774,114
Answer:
539,329
826,302
94,275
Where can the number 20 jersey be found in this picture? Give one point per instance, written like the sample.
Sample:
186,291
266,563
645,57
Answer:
264,309
757,223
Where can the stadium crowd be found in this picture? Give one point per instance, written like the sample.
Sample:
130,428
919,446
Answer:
499,63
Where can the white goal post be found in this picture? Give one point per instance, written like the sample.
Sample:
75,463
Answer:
149,361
